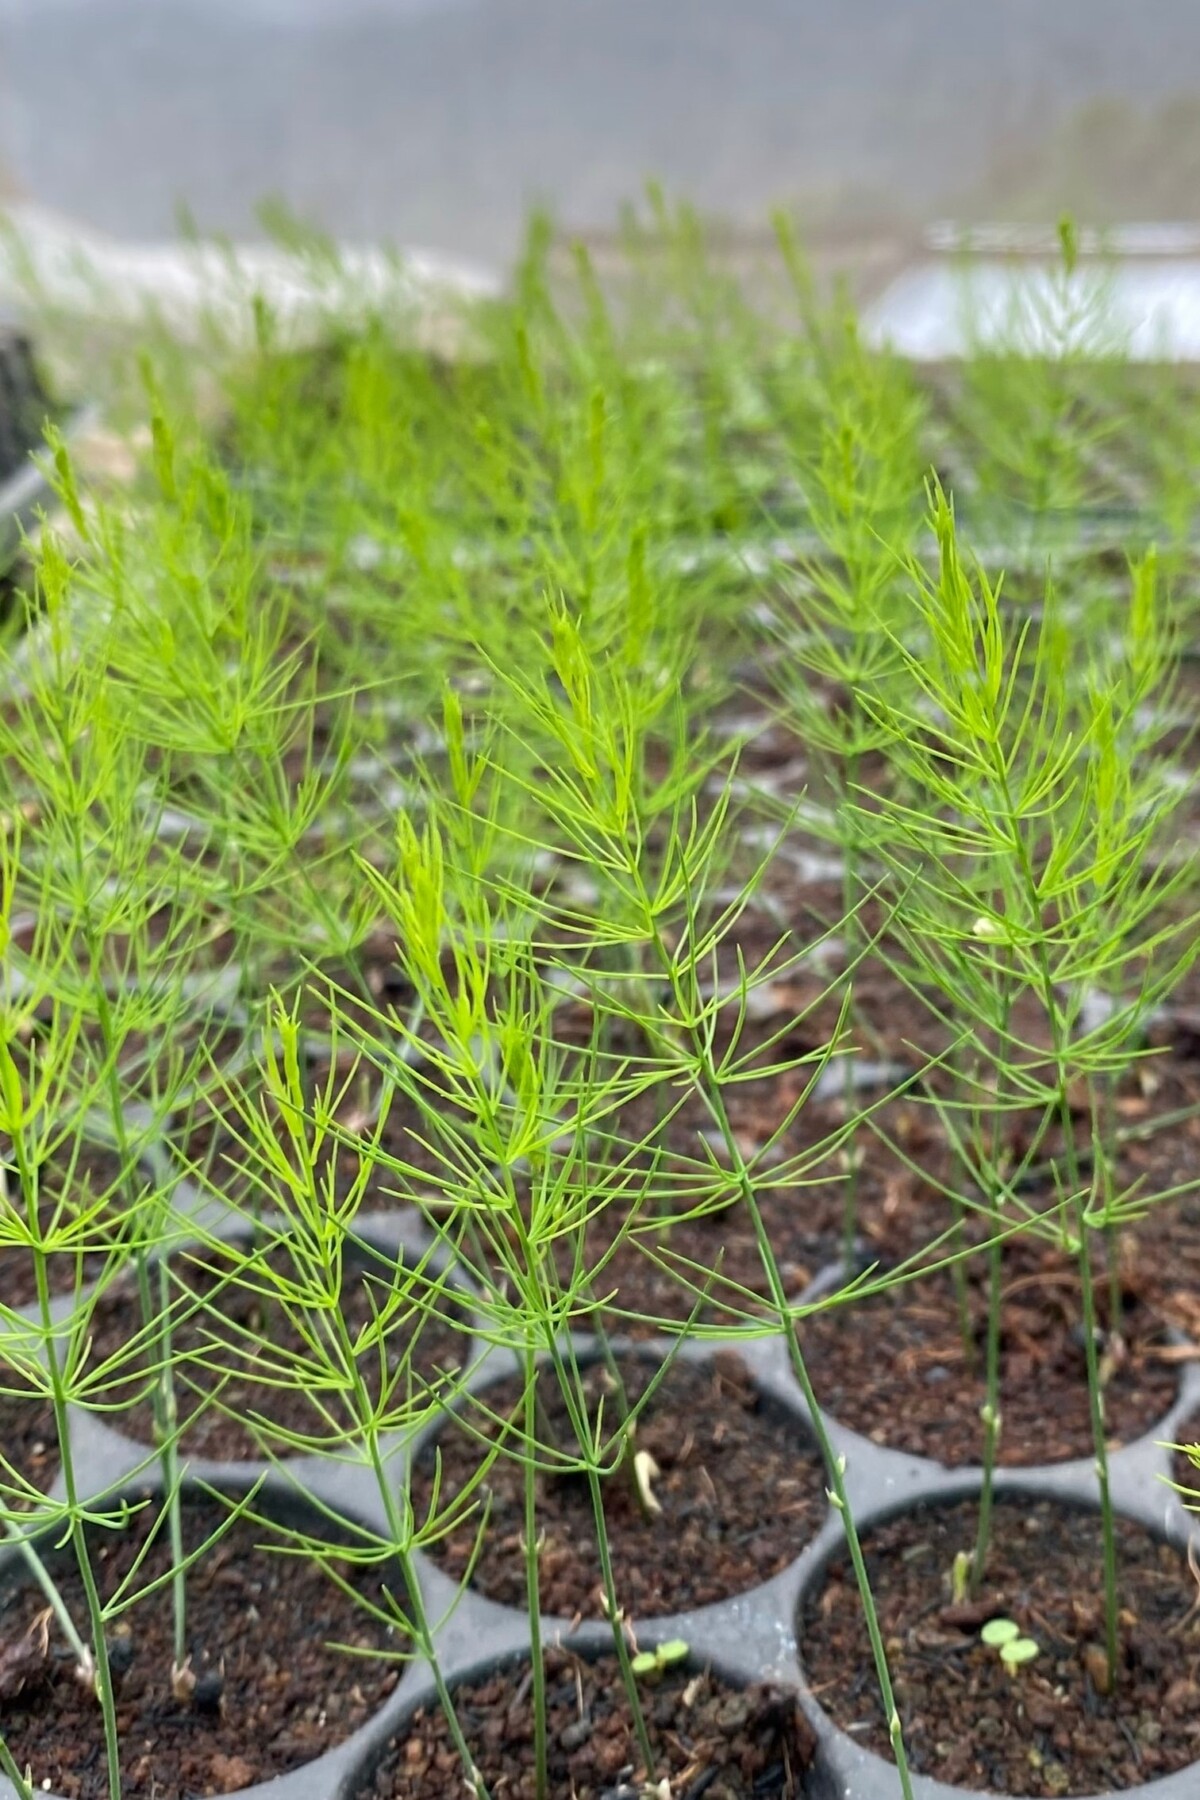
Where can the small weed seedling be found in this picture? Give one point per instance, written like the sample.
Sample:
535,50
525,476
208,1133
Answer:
1005,1637
652,1665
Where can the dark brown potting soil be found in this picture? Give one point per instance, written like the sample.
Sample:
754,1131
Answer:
224,1384
740,1486
67,1186
1162,1247
28,1439
708,1265
1049,1729
895,1368
373,989
709,1738
272,1694
711,1263
1184,1471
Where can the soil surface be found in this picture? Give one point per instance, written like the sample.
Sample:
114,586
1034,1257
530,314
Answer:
372,989
1185,1472
28,1438
225,1384
709,1738
896,1369
650,1275
1049,1729
67,1186
656,1264
1162,1248
270,1695
740,1485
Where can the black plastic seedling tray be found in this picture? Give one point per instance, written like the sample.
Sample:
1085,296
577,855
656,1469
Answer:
25,408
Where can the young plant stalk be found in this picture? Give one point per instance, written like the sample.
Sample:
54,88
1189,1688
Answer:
501,1095
502,1125
708,1086
831,647
102,881
22,1119
541,1751
318,1225
596,805
988,1136
1030,871
155,1311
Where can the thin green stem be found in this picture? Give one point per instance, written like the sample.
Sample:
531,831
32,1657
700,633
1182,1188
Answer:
25,1791
990,1141
834,1464
990,1417
958,1280
850,898
1059,1029
616,1620
418,1617
1099,1440
101,1673
1104,1139
45,1581
533,1586
155,1317
96,1665
169,1451
708,1087
365,1415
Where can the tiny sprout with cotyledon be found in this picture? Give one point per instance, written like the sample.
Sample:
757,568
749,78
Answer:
1005,1637
652,1665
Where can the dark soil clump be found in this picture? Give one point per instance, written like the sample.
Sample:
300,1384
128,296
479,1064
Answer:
723,1742
1049,1729
740,1485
